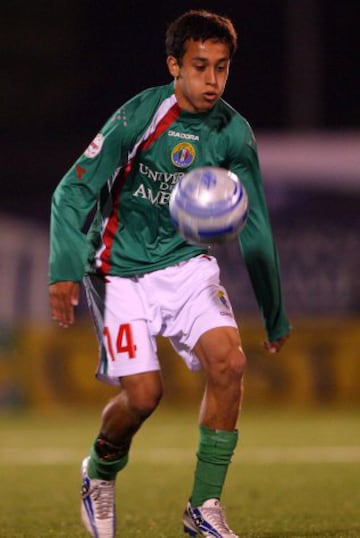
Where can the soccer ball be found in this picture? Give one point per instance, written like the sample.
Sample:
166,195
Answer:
209,205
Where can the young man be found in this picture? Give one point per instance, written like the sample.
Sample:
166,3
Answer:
142,279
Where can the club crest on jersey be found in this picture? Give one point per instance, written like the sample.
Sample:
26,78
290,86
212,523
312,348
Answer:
95,146
183,154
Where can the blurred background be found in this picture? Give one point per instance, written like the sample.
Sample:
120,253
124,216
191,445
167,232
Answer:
68,65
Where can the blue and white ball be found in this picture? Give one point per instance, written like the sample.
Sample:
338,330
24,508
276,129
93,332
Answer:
209,205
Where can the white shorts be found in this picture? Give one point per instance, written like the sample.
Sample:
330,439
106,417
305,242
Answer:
180,302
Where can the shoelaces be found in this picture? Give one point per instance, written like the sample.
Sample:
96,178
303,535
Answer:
216,517
103,495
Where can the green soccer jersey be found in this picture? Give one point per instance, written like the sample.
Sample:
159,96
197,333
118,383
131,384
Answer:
127,174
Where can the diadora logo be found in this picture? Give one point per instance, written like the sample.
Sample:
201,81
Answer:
185,136
183,155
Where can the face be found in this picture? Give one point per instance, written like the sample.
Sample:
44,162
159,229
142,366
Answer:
201,78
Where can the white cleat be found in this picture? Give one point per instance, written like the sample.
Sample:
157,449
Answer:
207,520
97,505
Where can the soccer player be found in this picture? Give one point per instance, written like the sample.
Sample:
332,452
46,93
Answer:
143,279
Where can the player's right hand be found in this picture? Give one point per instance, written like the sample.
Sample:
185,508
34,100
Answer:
63,297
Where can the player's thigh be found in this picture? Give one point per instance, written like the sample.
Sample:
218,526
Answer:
220,348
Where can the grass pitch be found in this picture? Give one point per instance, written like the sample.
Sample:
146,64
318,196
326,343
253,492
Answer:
296,474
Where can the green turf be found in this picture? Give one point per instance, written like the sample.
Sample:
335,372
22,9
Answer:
296,474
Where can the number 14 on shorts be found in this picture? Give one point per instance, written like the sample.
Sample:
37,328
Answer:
124,342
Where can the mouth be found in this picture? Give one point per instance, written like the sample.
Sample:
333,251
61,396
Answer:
210,96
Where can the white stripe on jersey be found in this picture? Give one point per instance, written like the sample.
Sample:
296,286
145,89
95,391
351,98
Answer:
163,109
158,116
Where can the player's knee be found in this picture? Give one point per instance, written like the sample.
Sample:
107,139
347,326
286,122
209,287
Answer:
235,362
143,404
229,366
240,361
141,395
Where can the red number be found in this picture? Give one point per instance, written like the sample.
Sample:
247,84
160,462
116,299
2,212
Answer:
124,342
108,338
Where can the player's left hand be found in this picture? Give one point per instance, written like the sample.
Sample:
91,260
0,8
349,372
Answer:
276,345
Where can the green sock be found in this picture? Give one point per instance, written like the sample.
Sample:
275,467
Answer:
216,448
105,470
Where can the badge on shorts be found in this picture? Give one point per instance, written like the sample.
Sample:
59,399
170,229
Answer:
222,298
183,155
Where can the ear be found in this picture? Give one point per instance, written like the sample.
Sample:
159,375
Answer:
173,66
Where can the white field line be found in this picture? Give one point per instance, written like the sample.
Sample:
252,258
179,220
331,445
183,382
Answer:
173,456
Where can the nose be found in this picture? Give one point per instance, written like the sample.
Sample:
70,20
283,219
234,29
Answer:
211,77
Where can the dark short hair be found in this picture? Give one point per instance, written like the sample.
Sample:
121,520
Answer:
199,25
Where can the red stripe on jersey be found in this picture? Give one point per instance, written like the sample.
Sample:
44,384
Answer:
114,221
171,115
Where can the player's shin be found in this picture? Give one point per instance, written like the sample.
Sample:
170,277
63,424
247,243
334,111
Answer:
215,451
